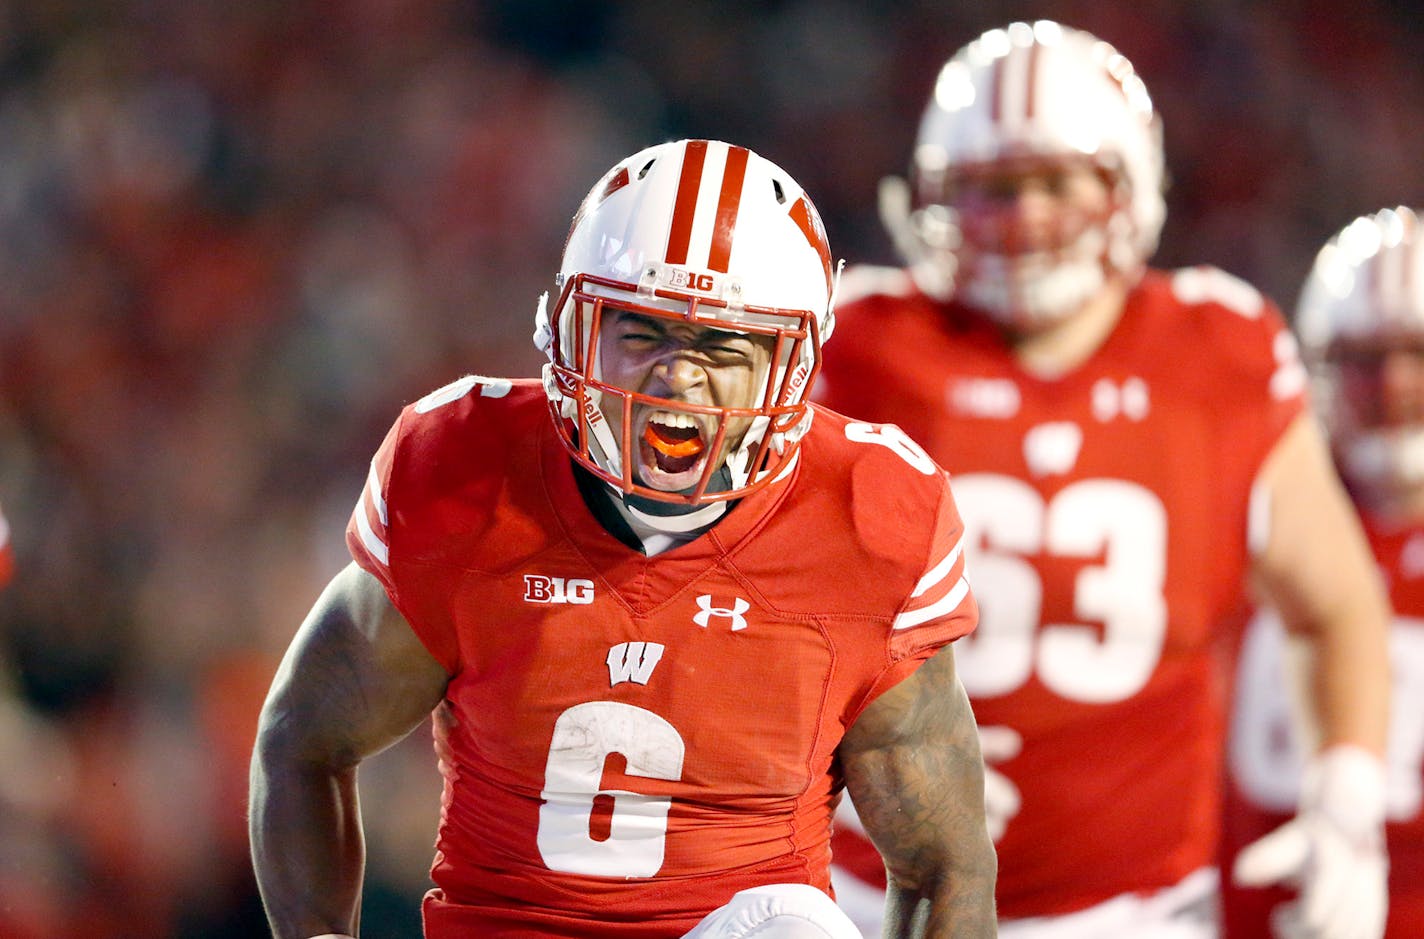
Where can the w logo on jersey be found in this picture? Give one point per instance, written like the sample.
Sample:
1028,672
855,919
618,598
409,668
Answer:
633,661
732,613
1052,448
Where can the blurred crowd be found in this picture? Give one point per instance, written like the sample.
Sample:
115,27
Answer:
236,237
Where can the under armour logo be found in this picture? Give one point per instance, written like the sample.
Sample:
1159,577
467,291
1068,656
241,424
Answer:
1131,399
733,613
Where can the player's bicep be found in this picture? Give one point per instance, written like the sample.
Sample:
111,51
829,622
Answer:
354,680
914,772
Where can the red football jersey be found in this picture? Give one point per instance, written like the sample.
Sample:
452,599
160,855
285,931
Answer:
1106,514
627,741
1266,760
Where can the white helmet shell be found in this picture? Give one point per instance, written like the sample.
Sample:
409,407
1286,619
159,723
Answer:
705,232
1026,95
1365,294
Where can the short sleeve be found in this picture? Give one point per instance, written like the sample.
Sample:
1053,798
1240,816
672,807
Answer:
368,531
941,606
369,537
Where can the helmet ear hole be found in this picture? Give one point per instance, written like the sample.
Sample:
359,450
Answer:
779,192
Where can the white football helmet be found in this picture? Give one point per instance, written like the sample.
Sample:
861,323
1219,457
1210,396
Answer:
1363,299
702,232
1027,97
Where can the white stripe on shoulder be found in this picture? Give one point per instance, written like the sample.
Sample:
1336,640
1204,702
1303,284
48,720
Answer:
946,604
378,498
369,538
940,570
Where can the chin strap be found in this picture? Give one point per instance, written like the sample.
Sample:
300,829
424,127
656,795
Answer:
697,516
676,517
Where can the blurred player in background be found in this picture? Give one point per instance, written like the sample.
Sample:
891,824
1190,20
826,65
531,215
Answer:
1361,323
1126,445
36,782
659,631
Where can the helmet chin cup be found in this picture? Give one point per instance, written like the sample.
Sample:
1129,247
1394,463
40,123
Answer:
1029,295
1383,465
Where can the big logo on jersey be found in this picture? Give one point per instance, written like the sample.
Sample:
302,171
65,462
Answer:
541,589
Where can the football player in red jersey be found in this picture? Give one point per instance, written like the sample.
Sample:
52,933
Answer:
660,632
1361,322
1127,446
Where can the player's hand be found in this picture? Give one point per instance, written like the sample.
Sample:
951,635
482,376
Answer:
1001,797
1333,850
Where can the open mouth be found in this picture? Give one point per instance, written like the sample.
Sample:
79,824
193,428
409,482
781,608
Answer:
673,448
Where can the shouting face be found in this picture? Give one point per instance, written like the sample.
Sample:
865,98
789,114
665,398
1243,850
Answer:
681,374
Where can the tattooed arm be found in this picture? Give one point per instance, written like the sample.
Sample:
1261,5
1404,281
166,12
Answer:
355,680
913,770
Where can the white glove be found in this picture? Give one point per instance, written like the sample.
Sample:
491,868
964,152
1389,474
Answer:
1333,850
1001,796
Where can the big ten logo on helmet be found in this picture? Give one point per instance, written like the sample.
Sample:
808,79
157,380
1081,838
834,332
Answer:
691,281
541,589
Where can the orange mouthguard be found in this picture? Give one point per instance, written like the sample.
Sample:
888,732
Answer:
670,446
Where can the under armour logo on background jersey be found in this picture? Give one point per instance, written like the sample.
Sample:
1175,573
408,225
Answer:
1129,398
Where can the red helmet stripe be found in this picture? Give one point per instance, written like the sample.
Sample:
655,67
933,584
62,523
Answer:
728,202
1407,252
615,183
1382,280
1035,50
996,89
804,215
688,186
